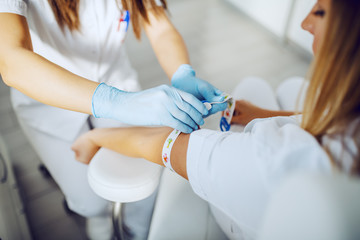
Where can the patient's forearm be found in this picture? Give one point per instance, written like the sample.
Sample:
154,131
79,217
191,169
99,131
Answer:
144,143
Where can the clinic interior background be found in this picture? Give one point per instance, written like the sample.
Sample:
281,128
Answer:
227,41
224,48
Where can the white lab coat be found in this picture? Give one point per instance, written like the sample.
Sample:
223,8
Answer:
236,172
96,52
248,166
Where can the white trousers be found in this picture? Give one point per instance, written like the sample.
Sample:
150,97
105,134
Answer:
71,177
289,96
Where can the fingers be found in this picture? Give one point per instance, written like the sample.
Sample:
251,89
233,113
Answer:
209,92
184,119
175,123
182,115
195,103
191,112
240,119
84,149
80,155
186,109
185,113
216,98
218,92
218,107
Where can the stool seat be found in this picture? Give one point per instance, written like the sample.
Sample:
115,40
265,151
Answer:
118,178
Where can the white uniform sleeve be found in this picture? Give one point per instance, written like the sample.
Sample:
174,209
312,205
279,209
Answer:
236,172
13,6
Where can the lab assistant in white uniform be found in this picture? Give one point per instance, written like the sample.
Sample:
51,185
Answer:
96,52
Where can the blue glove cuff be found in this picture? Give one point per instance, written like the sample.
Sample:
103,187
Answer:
183,71
102,100
94,98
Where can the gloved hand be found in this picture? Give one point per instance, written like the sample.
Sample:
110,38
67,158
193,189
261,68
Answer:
163,105
185,80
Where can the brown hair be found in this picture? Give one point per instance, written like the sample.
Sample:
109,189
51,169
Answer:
333,97
67,12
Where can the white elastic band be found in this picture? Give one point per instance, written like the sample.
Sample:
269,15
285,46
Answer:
229,111
166,152
225,122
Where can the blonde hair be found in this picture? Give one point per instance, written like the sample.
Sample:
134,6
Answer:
333,96
66,12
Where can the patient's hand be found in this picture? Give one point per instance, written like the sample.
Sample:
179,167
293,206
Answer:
245,112
84,148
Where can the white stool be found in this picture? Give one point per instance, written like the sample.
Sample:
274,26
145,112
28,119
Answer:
122,179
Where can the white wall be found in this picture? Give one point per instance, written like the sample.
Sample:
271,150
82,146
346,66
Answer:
295,32
282,17
271,13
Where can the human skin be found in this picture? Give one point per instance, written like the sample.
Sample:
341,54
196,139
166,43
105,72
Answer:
166,41
137,142
245,112
147,143
315,22
67,90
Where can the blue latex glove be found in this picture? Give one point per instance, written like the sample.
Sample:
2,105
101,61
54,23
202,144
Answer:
184,79
162,106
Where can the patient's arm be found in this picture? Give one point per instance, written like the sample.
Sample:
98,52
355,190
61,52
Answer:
245,112
139,142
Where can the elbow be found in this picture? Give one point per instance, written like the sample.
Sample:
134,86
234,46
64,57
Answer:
6,82
3,70
9,63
